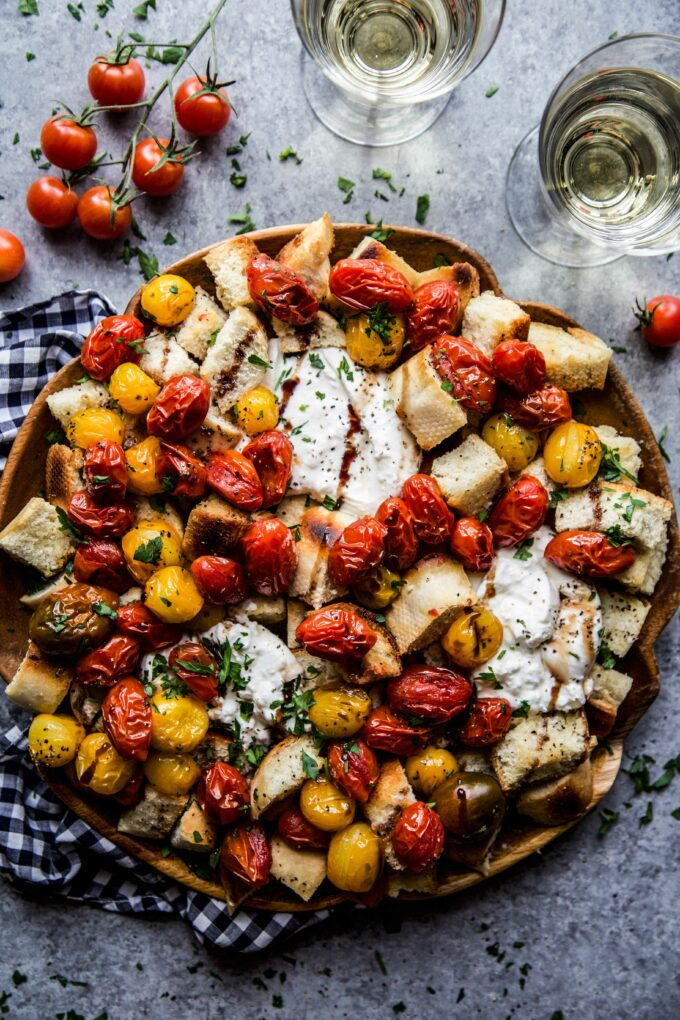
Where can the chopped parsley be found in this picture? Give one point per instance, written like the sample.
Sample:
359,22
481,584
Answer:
316,362
556,496
491,91
606,657
255,359
329,503
523,711
381,321
440,260
289,153
102,609
344,367
55,436
523,551
660,441
310,766
490,677
347,187
169,238
422,208
68,528
380,233
243,219
200,668
149,552
609,818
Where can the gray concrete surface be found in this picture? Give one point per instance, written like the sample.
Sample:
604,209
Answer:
589,929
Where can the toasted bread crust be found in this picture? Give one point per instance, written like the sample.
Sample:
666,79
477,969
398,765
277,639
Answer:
214,527
62,474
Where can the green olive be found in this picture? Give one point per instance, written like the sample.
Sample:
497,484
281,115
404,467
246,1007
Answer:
470,805
73,620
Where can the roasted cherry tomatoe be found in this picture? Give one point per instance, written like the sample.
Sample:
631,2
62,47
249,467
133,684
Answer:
236,479
357,552
435,311
385,730
519,512
269,550
431,693
432,519
115,339
353,767
195,667
126,712
364,283
246,854
271,454
300,834
465,371
99,521
220,580
279,291
486,723
590,553
138,621
100,561
339,635
519,365
472,543
222,792
418,837
180,408
116,658
179,472
105,472
401,541
539,410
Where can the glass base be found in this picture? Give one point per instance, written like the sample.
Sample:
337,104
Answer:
375,123
534,220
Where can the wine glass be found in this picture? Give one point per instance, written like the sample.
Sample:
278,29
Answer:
379,72
600,176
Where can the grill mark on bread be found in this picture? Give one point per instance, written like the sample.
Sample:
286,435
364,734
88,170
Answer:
228,376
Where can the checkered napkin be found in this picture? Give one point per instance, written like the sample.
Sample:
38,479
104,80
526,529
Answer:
43,845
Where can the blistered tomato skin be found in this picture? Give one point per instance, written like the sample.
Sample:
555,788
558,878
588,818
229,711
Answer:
432,519
133,389
572,454
172,595
220,580
271,453
141,467
132,792
196,668
357,552
99,561
418,837
171,773
178,724
325,805
365,283
94,424
223,793
338,635
472,543
429,768
519,365
473,637
69,621
339,711
234,477
542,409
589,553
300,834
179,472
168,299
135,620
257,411
116,339
375,340
104,666
401,541
354,859
436,307
53,740
269,550
101,768
354,768
180,408
516,445
465,371
385,730
519,512
246,854
470,804
126,712
432,693
378,589
99,521
488,721
105,472
279,291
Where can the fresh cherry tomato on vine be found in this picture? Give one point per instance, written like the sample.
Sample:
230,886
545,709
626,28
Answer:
137,621
488,721
219,580
519,512
276,289
357,552
539,410
418,837
51,203
246,854
97,217
432,519
66,143
269,550
204,114
401,542
235,478
196,668
659,320
436,307
336,634
353,767
385,730
179,472
113,84
163,181
272,455
365,283
103,666
180,408
110,521
300,834
101,562
590,553
519,365
12,256
115,339
105,472
432,693
126,712
472,543
222,792
465,371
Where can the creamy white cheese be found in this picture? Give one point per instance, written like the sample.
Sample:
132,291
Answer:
316,390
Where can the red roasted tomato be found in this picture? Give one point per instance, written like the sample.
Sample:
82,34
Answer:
432,519
472,543
384,730
179,472
126,712
116,339
138,621
353,767
235,478
99,521
103,666
100,562
180,408
336,634
105,472
270,556
357,552
297,832
222,792
246,854
519,365
418,837
488,721
465,371
436,307
272,455
365,283
542,409
519,511
429,692
590,553
220,580
276,289
401,542
196,668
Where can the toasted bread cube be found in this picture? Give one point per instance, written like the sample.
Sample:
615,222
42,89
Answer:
35,538
382,661
193,831
435,589
296,610
626,448
214,527
429,411
160,510
322,331
215,434
291,509
470,476
39,684
489,319
237,360
134,429
154,816
318,530
307,255
540,747
398,882
228,263
301,871
32,599
215,746
574,359
623,618
610,688
536,469
201,325
638,514
462,275
643,576
281,772
268,610
390,795
369,248
163,358
62,474
315,672
66,403
557,801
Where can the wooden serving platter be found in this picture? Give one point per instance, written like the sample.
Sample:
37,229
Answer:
616,405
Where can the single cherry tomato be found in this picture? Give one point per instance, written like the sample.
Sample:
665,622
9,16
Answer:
246,854
357,552
384,730
105,472
276,289
162,181
179,472
519,365
103,666
432,519
418,837
270,556
138,621
659,320
196,668
180,408
472,543
220,580
401,542
272,455
126,712
431,693
353,767
300,834
222,792
487,722
114,340
591,553
204,114
336,634
132,792
436,307
100,216
235,478
99,521
66,143
539,410
519,511
465,371
12,256
365,283
51,203
100,562
116,84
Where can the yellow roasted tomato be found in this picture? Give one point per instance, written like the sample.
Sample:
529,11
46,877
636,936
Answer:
325,805
171,773
168,299
354,858
257,411
171,594
376,340
572,454
474,637
150,545
141,467
340,711
93,424
54,740
177,724
428,769
513,443
100,768
132,388
379,589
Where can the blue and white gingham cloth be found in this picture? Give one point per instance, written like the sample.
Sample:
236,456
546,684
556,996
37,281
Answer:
43,845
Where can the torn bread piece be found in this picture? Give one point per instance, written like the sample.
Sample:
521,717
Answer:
424,883
625,448
369,248
214,527
35,538
429,411
228,263
540,747
623,617
574,358
269,610
316,672
215,434
462,275
163,358
489,319
155,814
39,684
66,403
197,332
470,476
610,689
390,795
193,831
558,801
62,474
307,255
536,469
301,871
238,359
323,331
282,771
435,589
317,530
382,661
156,508
636,513
643,576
